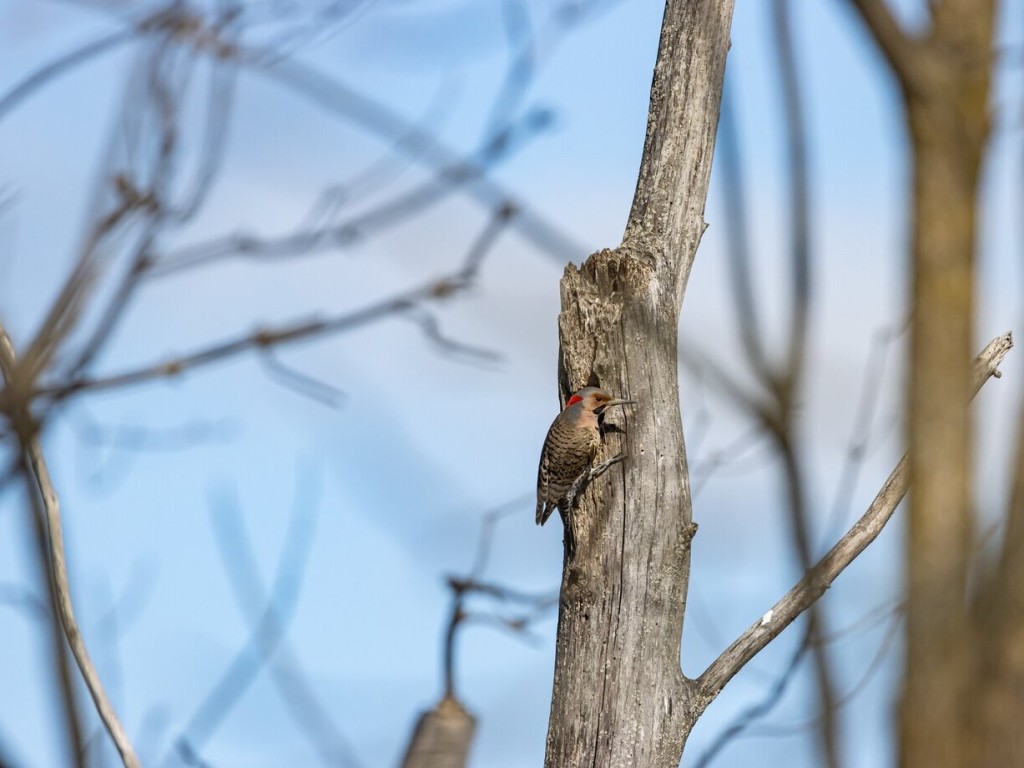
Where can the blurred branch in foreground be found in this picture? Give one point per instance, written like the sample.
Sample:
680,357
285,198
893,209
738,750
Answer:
268,646
45,504
443,735
164,157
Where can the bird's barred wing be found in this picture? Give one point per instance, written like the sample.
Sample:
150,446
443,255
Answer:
544,505
566,454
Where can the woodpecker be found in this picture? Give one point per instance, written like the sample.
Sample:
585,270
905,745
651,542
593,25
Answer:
567,455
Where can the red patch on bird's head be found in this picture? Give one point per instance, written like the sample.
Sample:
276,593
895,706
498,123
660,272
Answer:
573,400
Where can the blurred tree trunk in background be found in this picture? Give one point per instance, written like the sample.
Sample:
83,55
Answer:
946,91
996,711
963,693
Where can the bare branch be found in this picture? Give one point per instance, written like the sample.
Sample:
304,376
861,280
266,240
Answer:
816,628
41,488
264,339
286,672
338,98
491,519
861,432
337,235
746,443
464,587
301,382
134,437
59,66
39,475
787,385
410,305
761,708
812,586
60,659
443,735
736,235
522,66
799,195
888,640
66,308
268,630
898,47
742,723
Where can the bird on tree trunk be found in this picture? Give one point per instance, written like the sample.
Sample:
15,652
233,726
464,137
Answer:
566,460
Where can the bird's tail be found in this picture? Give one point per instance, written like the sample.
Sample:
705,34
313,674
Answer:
544,510
569,521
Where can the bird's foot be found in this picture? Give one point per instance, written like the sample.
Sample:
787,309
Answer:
570,499
584,479
604,466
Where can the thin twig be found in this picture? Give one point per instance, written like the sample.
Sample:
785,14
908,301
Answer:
799,194
286,672
257,341
42,490
336,235
64,63
761,708
860,437
729,160
888,639
268,630
741,725
60,658
473,584
51,505
364,111
900,48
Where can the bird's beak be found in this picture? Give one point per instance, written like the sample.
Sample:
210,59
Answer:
619,401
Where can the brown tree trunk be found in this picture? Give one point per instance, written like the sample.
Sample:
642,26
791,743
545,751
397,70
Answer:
947,110
620,698
998,737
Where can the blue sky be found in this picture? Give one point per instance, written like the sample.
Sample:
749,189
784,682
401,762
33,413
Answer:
399,476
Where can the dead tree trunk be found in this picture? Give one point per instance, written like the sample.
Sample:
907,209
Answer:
619,694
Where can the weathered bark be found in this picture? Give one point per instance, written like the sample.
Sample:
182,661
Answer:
620,698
